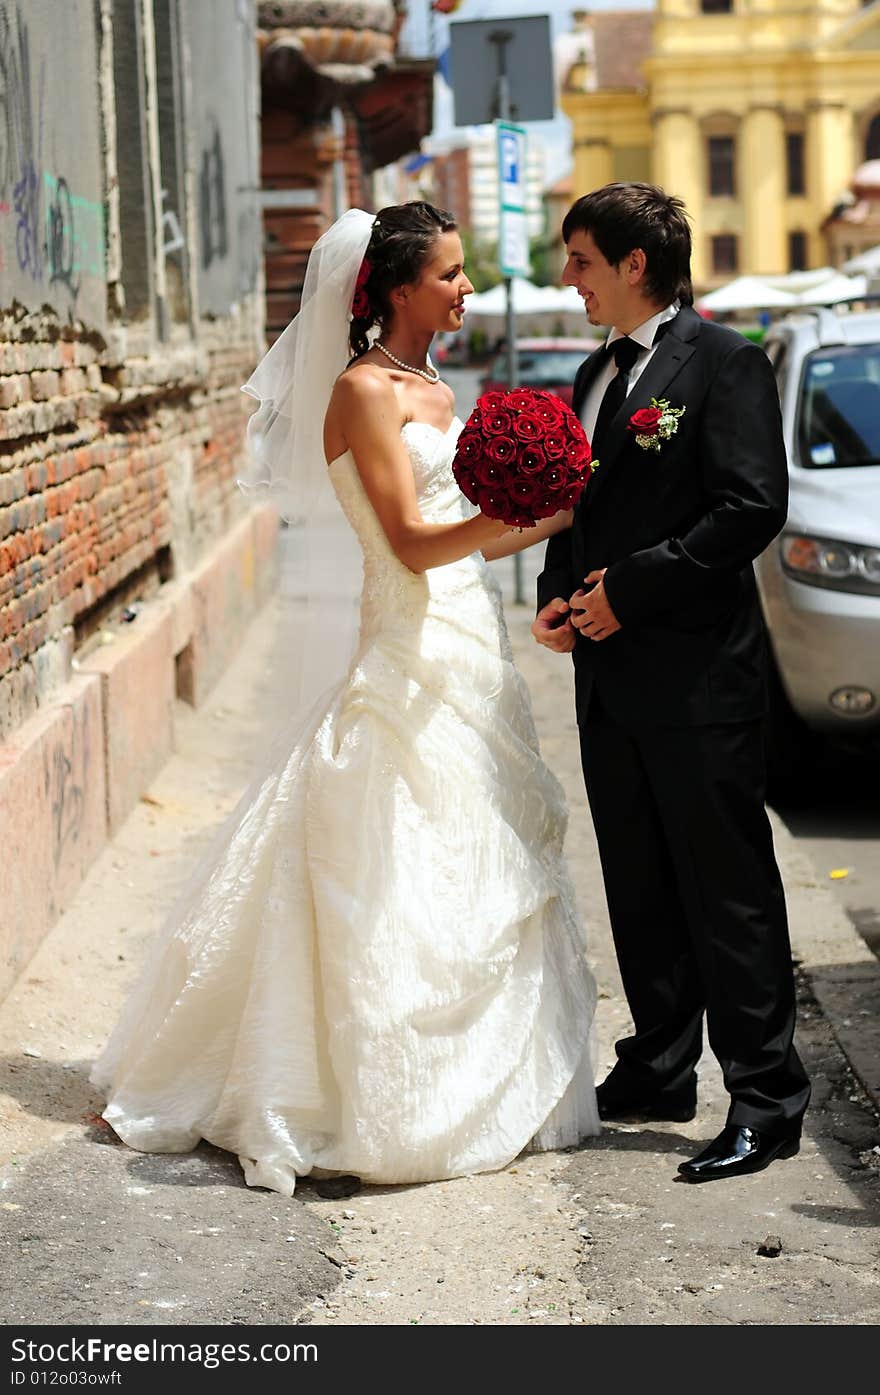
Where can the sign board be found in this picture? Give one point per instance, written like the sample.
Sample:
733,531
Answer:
484,50
513,228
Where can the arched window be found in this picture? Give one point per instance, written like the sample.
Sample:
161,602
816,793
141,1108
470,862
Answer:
872,140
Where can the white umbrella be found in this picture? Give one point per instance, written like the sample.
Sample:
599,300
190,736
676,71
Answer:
569,300
528,299
798,281
834,290
747,293
868,261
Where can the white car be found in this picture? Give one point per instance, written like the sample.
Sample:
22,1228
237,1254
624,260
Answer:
820,579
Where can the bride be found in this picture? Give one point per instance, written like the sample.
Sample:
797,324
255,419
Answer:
383,972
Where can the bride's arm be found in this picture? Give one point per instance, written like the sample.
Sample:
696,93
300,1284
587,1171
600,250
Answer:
516,541
371,412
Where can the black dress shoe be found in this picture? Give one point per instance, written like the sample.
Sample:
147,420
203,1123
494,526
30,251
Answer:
738,1151
614,1103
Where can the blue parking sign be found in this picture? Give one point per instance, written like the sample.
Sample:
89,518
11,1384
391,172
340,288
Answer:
511,165
509,158
513,230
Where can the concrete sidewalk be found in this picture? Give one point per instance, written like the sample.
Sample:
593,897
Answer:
91,1232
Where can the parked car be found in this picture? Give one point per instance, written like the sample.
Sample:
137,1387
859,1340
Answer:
541,363
820,579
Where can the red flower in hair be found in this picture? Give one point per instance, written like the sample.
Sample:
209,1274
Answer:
360,305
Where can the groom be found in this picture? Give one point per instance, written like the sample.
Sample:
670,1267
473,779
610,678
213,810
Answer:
652,592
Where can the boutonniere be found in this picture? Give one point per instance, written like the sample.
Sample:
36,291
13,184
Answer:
655,424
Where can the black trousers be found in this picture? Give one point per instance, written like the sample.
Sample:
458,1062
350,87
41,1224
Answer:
697,911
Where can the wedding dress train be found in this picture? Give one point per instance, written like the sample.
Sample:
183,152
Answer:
385,974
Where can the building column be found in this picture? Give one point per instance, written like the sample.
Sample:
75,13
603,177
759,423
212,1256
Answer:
830,156
761,186
677,165
593,164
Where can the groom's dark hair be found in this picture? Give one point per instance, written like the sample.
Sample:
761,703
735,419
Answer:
620,217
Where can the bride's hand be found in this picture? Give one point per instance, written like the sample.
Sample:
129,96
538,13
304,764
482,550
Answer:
498,528
517,539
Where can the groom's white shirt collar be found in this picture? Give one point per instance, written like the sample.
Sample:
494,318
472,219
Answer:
644,337
644,334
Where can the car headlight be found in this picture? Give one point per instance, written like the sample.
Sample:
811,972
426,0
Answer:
840,566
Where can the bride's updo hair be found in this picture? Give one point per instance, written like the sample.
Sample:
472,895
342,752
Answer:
402,240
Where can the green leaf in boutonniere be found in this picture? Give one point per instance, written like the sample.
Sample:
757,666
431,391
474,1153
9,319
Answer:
655,424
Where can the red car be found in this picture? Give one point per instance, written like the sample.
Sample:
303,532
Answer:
541,363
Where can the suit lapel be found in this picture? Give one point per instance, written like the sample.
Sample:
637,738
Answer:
673,351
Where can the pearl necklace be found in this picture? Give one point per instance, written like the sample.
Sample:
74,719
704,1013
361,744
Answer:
429,374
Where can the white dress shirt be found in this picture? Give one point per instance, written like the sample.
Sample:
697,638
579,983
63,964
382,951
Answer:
643,335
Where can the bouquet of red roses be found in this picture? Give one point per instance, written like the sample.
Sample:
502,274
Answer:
523,455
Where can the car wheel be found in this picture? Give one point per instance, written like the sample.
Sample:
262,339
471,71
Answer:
791,748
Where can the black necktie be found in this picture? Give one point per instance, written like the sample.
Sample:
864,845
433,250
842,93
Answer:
625,352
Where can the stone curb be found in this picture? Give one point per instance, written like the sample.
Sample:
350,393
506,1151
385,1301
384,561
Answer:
843,972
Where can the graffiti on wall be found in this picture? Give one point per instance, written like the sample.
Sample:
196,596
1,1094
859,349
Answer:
228,222
64,780
172,237
212,197
57,235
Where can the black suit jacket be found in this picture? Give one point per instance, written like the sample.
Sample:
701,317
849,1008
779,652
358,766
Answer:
678,531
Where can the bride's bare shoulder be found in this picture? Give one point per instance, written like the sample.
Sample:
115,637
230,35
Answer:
364,387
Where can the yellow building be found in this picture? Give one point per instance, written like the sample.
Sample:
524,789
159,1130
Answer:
755,112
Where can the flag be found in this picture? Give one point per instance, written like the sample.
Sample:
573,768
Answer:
416,162
443,66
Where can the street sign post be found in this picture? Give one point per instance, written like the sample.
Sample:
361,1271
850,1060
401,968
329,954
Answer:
502,71
513,226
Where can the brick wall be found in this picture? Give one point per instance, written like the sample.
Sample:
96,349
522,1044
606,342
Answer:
116,473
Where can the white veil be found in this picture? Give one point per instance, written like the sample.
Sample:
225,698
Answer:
314,643
285,437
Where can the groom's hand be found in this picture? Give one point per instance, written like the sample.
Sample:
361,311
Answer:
591,613
552,627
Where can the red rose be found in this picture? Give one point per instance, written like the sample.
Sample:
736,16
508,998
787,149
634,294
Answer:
489,473
525,491
500,449
548,409
466,482
577,457
554,445
360,304
496,422
520,399
532,460
527,426
490,402
646,422
555,478
470,445
546,505
569,496
494,503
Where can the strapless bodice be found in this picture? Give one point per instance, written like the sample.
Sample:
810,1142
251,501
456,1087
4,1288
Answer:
466,591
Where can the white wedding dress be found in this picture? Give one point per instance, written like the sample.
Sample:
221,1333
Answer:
385,974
